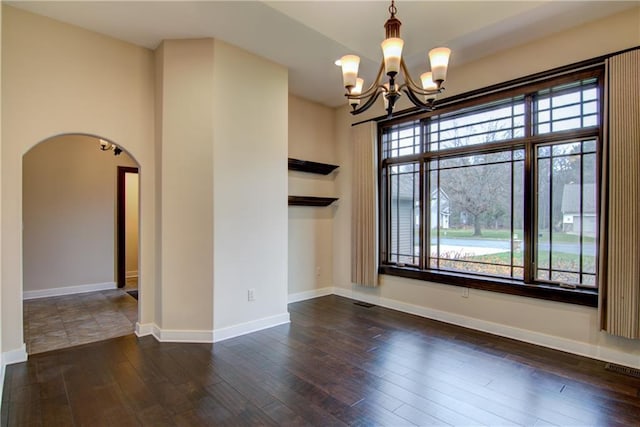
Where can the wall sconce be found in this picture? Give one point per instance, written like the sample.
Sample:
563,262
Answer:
106,146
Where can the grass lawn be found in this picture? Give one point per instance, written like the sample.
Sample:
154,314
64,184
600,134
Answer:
561,261
451,233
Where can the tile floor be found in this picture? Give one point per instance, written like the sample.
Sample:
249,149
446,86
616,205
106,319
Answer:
69,320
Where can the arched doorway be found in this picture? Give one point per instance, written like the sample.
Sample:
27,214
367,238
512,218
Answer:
70,243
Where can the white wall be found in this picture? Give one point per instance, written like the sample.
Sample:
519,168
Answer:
60,79
250,191
565,326
69,215
131,224
310,261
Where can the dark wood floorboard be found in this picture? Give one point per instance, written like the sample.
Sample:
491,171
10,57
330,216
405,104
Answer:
336,364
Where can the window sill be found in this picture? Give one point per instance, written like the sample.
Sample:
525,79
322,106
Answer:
584,297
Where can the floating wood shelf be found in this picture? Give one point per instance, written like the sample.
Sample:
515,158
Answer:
311,167
311,201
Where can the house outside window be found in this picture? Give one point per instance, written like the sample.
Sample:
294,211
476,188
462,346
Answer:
499,193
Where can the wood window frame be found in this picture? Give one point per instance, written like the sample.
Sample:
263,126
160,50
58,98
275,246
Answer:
527,87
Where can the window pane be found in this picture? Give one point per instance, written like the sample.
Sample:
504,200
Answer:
492,122
590,121
404,190
544,226
401,140
566,223
517,253
566,99
569,124
589,147
590,108
589,94
477,210
566,107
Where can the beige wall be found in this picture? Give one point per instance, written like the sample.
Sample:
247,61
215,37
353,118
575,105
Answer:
186,142
59,79
564,326
311,137
223,191
131,224
68,211
250,191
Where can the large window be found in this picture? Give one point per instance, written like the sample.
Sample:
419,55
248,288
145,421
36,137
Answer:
499,193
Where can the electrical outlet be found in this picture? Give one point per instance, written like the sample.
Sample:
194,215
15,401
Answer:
465,292
251,294
317,271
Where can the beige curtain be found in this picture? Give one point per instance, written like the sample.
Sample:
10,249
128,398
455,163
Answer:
364,213
620,284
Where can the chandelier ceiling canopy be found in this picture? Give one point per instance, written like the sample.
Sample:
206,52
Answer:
399,79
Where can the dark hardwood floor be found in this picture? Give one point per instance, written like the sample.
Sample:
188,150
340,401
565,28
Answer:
336,364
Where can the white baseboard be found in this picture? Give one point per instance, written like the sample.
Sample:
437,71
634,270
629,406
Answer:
248,327
68,290
532,337
144,329
14,356
182,335
131,274
1,376
302,296
9,358
191,336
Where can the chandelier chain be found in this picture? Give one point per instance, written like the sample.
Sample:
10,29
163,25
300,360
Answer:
392,9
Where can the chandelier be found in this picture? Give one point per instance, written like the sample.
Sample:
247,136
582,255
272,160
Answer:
393,66
106,146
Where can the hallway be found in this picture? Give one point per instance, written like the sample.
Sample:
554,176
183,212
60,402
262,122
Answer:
69,320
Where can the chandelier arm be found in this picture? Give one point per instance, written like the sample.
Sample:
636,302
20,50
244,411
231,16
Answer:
371,89
412,86
416,101
407,77
372,99
376,82
416,91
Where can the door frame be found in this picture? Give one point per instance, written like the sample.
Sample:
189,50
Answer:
121,236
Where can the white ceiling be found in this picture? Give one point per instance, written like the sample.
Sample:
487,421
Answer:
308,36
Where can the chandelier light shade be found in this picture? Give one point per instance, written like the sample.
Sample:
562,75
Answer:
392,53
350,64
439,59
398,78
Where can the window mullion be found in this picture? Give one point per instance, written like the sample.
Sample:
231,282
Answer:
511,225
425,229
582,218
529,194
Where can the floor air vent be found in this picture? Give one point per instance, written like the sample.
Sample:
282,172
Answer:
633,372
364,304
